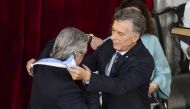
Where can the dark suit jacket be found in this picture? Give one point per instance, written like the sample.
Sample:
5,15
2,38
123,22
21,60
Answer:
53,88
127,88
45,52
51,81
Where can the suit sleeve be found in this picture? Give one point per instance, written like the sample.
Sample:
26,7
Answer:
45,52
128,79
92,100
91,61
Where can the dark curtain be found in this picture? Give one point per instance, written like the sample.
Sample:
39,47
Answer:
25,28
149,4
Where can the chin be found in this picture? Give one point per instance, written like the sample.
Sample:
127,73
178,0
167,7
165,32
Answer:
115,47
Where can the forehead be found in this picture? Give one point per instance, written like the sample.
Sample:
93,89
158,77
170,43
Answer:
122,26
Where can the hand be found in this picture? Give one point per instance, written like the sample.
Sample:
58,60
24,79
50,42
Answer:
80,73
95,42
152,88
29,66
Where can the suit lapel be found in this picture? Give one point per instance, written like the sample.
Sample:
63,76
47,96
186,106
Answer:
107,55
124,58
118,64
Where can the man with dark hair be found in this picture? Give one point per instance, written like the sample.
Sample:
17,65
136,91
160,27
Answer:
124,65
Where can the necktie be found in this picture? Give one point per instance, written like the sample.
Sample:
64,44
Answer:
115,63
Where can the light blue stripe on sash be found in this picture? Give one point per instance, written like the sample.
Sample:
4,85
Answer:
57,63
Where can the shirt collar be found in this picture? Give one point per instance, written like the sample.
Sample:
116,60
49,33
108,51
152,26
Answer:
122,53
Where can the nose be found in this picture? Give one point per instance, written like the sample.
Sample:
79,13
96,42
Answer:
114,35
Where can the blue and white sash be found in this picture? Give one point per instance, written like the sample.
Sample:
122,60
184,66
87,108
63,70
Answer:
57,63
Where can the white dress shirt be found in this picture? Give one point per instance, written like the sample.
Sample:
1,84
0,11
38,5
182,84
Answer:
109,65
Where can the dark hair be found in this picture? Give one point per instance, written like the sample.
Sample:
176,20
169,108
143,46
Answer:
133,15
142,7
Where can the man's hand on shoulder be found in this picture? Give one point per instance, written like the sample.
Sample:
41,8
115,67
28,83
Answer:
29,66
95,41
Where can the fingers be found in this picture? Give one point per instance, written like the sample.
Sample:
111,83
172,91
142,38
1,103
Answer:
86,67
90,34
29,66
73,72
95,42
79,73
152,88
149,93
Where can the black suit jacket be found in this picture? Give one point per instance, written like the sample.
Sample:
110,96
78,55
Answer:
49,80
53,88
127,88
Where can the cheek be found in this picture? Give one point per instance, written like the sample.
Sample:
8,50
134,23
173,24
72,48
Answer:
129,40
81,58
125,41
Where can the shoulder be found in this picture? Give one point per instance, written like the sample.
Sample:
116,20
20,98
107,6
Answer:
150,39
50,70
151,42
107,43
45,52
142,57
51,42
141,50
47,68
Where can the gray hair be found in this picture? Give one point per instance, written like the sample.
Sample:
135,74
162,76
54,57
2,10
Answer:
137,18
68,42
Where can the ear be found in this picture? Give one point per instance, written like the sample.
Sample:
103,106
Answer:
76,54
136,37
